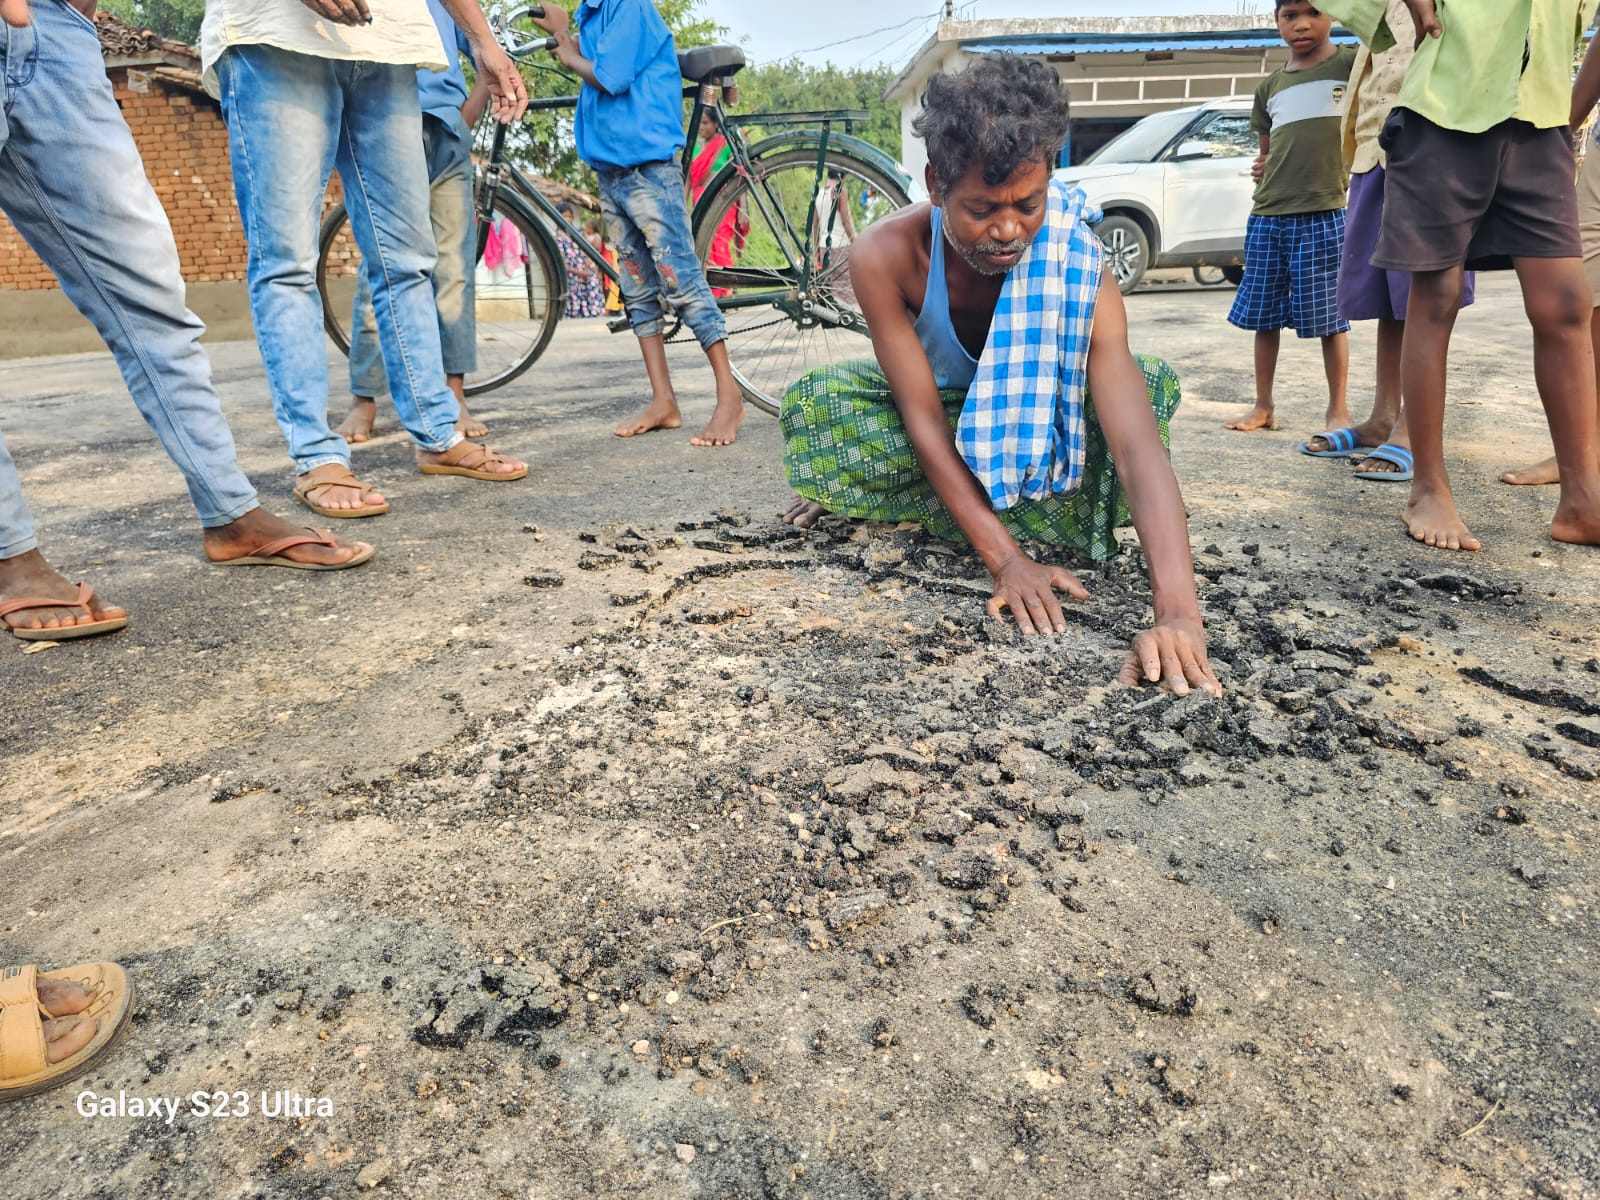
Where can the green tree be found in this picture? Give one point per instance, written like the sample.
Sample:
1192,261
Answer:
794,86
175,19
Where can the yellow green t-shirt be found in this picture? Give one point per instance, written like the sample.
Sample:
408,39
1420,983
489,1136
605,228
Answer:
1496,59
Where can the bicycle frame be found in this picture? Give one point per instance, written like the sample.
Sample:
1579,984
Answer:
794,300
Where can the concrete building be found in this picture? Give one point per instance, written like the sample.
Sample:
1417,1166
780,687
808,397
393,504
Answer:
1118,69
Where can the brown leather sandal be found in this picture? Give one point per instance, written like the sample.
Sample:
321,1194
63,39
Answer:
270,554
67,632
469,459
331,475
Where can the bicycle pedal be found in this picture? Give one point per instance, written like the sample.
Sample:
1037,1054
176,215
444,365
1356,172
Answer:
619,324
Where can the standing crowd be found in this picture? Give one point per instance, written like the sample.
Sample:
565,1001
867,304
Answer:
1453,132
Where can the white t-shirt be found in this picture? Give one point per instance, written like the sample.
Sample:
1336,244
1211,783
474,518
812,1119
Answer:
402,32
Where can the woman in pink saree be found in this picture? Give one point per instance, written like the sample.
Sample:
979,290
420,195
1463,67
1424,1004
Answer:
735,227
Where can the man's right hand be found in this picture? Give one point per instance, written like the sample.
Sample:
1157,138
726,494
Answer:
1425,18
14,12
341,12
1258,168
1028,589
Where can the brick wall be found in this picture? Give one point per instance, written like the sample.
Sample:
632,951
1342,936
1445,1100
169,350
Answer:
184,143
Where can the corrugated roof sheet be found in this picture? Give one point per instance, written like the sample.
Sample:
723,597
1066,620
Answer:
1156,43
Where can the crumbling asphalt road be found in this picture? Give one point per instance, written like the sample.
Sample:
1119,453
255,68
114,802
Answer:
604,838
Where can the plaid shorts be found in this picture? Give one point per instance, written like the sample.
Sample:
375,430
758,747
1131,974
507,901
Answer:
1291,274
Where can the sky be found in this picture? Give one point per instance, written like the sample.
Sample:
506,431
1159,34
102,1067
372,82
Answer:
889,31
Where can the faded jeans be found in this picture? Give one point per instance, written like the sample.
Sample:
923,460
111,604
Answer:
291,119
648,217
449,152
73,185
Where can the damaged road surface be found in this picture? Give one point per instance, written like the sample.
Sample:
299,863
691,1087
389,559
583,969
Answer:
605,842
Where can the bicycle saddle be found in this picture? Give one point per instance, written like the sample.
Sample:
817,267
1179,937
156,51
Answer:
703,62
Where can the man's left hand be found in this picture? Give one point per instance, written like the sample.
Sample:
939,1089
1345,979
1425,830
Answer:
14,12
1174,653
506,85
555,20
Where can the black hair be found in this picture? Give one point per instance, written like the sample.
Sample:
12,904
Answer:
1001,113
1279,5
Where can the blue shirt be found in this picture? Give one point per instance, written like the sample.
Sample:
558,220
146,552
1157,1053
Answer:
444,92
636,115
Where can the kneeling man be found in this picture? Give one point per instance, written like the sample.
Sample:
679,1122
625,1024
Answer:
1004,401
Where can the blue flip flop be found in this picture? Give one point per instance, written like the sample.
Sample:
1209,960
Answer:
1345,442
1397,455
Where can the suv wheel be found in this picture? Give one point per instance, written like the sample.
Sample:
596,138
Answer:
1127,250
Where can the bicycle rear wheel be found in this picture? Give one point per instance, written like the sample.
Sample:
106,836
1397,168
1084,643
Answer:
778,331
516,303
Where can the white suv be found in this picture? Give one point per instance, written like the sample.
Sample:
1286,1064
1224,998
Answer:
1176,190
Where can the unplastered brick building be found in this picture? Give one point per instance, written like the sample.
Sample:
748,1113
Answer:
181,135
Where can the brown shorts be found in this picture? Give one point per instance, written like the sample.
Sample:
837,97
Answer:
1477,200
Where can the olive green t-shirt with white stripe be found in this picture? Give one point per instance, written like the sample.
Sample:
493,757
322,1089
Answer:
1302,110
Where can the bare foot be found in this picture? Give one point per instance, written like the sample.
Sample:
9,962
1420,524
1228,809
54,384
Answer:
1534,476
662,414
339,496
357,425
724,425
28,575
1256,418
65,1032
1577,524
469,425
802,513
258,527
1432,519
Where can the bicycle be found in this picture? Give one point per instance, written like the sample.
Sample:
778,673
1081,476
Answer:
785,292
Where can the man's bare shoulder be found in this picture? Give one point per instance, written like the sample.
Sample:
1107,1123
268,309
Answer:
893,238
896,246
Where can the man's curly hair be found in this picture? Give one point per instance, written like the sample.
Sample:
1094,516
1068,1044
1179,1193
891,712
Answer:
1001,113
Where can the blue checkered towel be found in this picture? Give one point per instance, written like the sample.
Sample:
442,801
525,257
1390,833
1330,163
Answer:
1021,430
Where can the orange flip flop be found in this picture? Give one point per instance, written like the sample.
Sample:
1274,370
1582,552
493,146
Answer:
24,1070
270,554
66,633
469,459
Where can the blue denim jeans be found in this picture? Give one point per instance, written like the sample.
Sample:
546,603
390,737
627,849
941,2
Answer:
648,217
455,231
291,119
73,185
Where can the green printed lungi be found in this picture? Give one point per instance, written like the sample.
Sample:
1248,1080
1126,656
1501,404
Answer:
845,446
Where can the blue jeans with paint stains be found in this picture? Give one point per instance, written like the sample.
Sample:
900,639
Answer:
448,148
291,119
648,217
73,185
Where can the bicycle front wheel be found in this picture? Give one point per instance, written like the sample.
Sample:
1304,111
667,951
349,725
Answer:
776,251
519,292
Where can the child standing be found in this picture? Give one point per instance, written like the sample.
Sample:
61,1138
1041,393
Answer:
1296,232
629,129
1481,174
1366,292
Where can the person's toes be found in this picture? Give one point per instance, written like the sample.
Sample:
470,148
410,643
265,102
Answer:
63,997
66,1036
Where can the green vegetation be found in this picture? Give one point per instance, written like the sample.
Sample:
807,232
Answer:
176,19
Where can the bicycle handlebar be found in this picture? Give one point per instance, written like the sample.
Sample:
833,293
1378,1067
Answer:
501,22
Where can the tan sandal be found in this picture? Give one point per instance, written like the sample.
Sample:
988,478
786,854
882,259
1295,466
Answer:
331,475
67,632
24,1070
469,459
